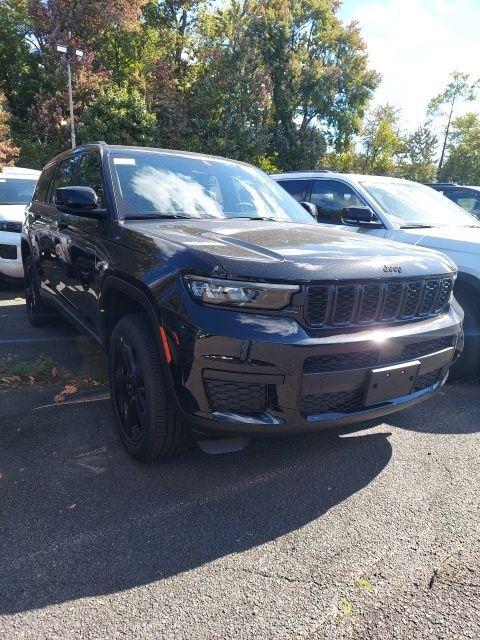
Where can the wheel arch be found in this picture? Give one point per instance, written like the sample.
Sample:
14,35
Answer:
120,297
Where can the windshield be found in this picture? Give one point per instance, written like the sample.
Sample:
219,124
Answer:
161,184
414,205
16,190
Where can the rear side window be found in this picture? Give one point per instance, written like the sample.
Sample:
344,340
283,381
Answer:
90,175
63,176
42,184
296,188
465,198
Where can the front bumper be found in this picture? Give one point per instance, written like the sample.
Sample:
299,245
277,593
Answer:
250,374
10,255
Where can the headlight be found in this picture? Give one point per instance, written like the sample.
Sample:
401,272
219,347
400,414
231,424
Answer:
256,295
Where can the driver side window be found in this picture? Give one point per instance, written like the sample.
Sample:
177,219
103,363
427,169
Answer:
331,197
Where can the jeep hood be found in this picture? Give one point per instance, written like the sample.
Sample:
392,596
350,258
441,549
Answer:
285,251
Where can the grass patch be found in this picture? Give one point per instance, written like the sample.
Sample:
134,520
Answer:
14,372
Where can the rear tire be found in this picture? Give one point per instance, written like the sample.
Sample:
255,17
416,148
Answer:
468,365
146,421
37,312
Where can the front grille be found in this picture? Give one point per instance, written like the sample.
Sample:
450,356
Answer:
426,380
237,397
419,349
363,303
8,251
341,401
10,226
341,361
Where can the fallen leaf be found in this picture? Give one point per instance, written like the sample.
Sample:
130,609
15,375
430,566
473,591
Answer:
60,397
54,372
69,389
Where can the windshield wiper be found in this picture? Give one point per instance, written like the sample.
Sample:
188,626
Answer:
416,225
158,216
268,218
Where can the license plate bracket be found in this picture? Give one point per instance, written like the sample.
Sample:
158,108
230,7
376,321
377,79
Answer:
391,382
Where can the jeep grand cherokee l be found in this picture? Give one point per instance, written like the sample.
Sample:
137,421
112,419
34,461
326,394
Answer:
223,306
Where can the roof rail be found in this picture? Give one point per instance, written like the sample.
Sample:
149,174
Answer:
96,142
308,171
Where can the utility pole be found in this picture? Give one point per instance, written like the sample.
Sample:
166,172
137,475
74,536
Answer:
79,54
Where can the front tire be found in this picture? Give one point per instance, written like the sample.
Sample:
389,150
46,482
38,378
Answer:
468,365
146,421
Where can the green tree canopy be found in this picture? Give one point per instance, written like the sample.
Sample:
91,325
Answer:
417,157
459,89
463,163
320,80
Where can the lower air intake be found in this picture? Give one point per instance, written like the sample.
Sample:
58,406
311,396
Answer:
237,397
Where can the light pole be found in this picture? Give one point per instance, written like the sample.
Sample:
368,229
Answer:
63,49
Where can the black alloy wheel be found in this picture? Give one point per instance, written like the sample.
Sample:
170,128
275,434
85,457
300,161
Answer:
146,419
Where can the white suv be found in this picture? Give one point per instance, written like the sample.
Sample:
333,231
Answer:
16,189
407,212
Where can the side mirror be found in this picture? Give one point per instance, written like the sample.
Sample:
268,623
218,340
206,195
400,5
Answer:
360,217
311,208
81,201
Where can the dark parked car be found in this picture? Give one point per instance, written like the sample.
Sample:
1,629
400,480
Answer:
466,197
223,306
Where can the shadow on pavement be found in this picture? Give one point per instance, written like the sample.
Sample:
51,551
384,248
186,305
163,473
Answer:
73,352
79,518
455,409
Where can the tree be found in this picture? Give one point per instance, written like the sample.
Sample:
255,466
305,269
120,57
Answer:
318,72
19,70
229,102
275,82
381,141
463,163
460,88
417,157
119,115
8,152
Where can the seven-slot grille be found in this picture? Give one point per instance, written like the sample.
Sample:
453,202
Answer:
357,304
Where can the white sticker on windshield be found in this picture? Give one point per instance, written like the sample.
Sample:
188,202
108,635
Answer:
124,161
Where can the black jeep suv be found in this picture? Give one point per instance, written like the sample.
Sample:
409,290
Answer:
223,306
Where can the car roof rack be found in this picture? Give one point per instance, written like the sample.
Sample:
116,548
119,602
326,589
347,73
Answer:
308,171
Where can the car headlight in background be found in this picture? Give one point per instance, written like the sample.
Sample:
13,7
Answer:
254,295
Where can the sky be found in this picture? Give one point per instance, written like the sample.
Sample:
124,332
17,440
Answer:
415,44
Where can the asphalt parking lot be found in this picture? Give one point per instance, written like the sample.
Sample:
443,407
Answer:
361,534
